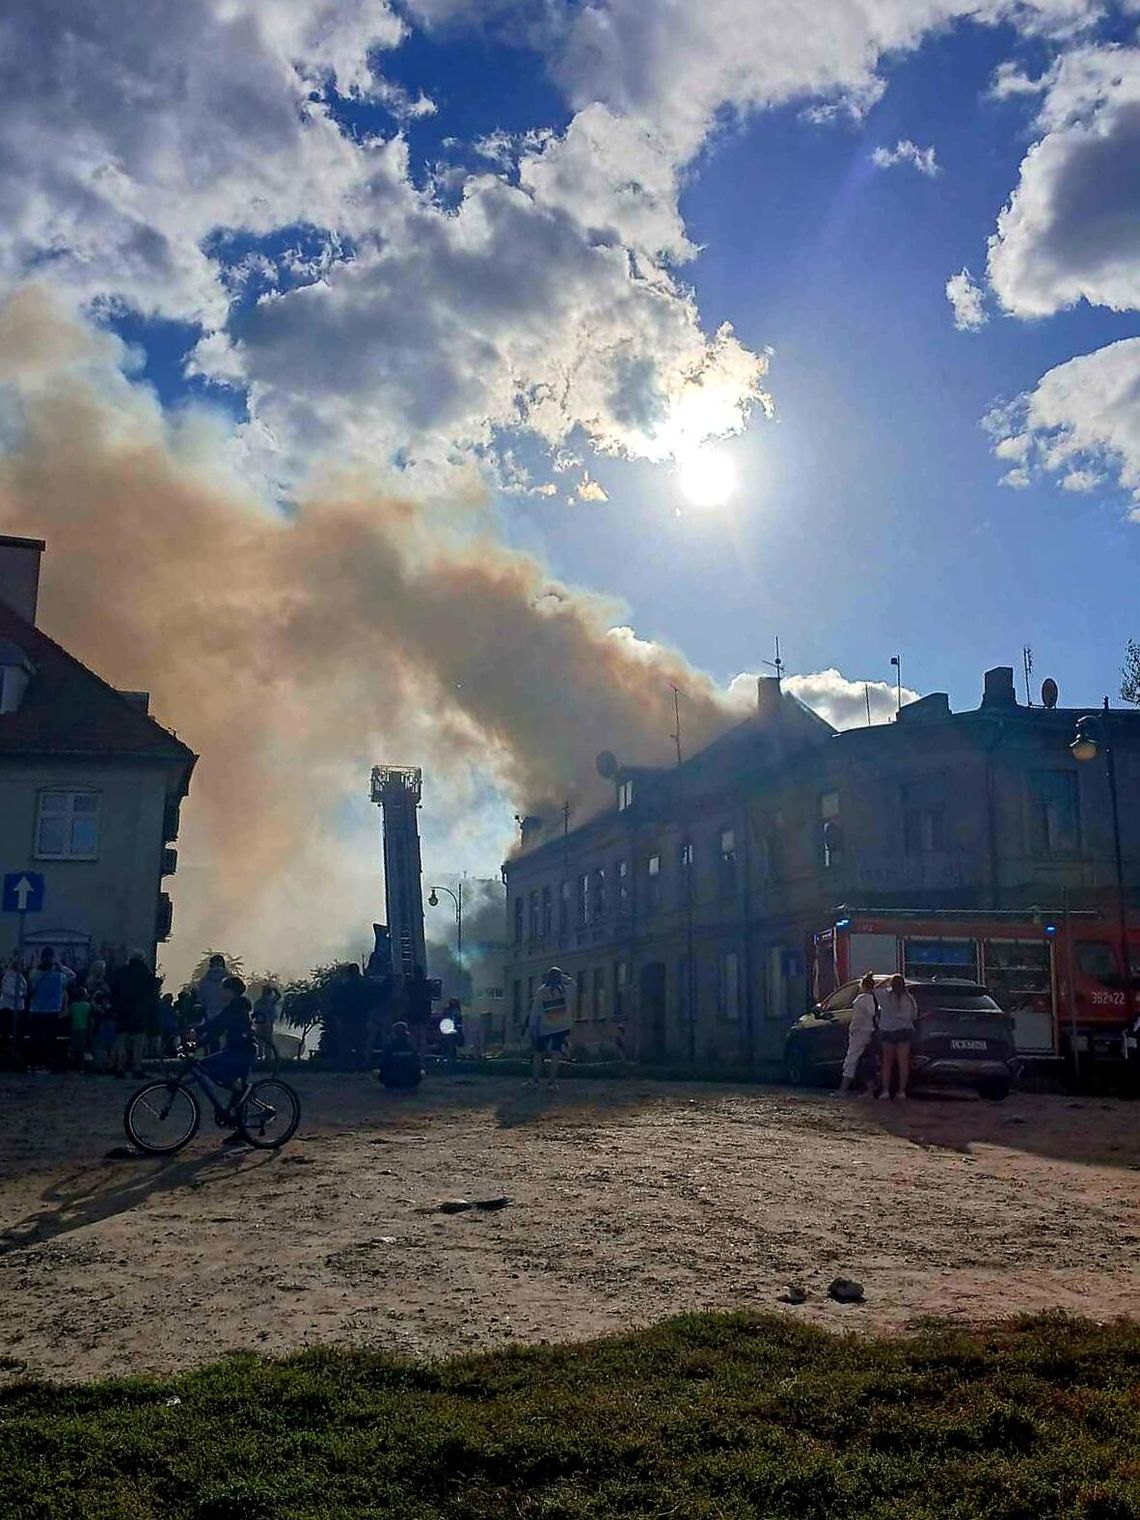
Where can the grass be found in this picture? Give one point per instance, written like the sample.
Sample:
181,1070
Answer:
705,1417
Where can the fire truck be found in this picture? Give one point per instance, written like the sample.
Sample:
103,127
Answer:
1060,975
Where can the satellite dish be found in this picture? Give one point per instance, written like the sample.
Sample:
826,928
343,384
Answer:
607,765
1049,692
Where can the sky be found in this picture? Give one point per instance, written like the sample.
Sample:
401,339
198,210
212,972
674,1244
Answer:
810,320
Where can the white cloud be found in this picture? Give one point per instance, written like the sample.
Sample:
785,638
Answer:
1071,230
1082,417
1010,80
843,702
965,296
907,152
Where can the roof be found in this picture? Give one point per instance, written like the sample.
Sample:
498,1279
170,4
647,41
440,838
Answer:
69,710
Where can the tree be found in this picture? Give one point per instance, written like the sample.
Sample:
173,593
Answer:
1130,672
305,1003
235,966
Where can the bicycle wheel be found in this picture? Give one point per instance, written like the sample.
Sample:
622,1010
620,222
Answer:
161,1118
267,1056
269,1114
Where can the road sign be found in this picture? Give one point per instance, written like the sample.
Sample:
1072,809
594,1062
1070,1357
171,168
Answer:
23,892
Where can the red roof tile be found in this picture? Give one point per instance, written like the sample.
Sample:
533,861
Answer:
69,710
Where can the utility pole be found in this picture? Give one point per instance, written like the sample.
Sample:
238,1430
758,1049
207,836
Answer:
1027,664
777,664
867,699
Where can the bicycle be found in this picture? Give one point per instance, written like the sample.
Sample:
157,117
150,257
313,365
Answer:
162,1117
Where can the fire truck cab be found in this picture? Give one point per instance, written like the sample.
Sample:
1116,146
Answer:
1059,976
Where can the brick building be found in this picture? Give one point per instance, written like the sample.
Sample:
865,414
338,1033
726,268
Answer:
698,892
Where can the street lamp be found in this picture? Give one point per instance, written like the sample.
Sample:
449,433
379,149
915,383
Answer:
1094,733
457,899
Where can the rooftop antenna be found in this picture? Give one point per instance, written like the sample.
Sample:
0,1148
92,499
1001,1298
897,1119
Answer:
1027,662
867,699
676,734
777,664
896,661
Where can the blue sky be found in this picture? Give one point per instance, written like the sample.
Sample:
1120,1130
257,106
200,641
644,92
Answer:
536,267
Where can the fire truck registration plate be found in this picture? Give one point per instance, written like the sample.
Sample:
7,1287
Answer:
967,1044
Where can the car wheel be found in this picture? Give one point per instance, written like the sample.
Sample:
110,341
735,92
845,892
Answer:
995,1090
797,1068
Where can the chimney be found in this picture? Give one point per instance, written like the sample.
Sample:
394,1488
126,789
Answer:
999,689
20,574
767,695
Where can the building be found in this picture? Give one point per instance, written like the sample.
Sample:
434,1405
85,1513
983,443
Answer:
702,888
90,790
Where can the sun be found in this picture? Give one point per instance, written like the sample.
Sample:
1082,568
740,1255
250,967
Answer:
707,478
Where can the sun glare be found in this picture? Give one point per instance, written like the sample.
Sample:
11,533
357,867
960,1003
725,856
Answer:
707,478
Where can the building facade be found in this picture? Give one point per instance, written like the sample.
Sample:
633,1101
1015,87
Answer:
686,913
90,791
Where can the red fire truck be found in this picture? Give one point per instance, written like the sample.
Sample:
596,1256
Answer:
1060,976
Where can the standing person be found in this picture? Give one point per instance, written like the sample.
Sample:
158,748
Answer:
47,1009
13,1001
861,1030
549,1019
210,990
134,1002
265,1013
105,1031
898,1020
79,1012
168,1027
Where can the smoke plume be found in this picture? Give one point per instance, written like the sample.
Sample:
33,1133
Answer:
293,651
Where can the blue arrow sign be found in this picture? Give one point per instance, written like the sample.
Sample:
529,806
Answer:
23,892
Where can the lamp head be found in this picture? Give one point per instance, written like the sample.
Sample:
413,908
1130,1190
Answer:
433,900
1084,745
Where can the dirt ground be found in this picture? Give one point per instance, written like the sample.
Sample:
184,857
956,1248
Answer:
628,1201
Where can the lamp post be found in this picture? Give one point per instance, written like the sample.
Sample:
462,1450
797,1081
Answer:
457,899
1093,734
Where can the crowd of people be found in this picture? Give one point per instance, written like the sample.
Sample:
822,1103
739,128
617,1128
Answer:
110,1017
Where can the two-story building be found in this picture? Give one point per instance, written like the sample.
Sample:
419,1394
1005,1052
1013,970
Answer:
90,791
686,913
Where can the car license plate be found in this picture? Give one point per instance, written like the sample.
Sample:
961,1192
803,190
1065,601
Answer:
967,1044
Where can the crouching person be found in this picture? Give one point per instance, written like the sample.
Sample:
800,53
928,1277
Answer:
231,1066
400,1060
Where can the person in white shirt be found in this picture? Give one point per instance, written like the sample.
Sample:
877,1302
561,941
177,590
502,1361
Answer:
861,1030
548,1021
898,1022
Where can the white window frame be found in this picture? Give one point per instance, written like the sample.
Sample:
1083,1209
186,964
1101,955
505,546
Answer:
68,813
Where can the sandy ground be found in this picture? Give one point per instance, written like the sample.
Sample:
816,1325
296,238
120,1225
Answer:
628,1202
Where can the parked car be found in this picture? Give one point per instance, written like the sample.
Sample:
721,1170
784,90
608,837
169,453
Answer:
964,1039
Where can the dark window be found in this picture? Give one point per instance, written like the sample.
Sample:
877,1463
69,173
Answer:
1053,813
730,985
831,830
728,862
653,878
844,998
534,914
621,984
683,989
519,912
516,1003
684,872
565,892
624,795
924,830
599,992
599,893
621,875
584,898
1098,960
547,913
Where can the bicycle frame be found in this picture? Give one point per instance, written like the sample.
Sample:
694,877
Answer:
191,1073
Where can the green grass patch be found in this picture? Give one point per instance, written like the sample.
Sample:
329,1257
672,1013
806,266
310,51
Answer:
705,1417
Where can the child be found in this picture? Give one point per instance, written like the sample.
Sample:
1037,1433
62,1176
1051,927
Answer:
80,1012
230,1067
105,1026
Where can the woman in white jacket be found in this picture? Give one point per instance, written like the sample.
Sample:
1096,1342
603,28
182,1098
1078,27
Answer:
861,1030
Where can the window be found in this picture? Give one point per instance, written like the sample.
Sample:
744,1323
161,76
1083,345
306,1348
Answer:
840,1001
621,986
516,1004
728,862
1053,813
624,795
1098,960
68,827
599,992
831,830
685,873
599,893
529,992
519,911
584,898
534,914
564,894
621,876
924,830
685,855
653,874
547,912
730,985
